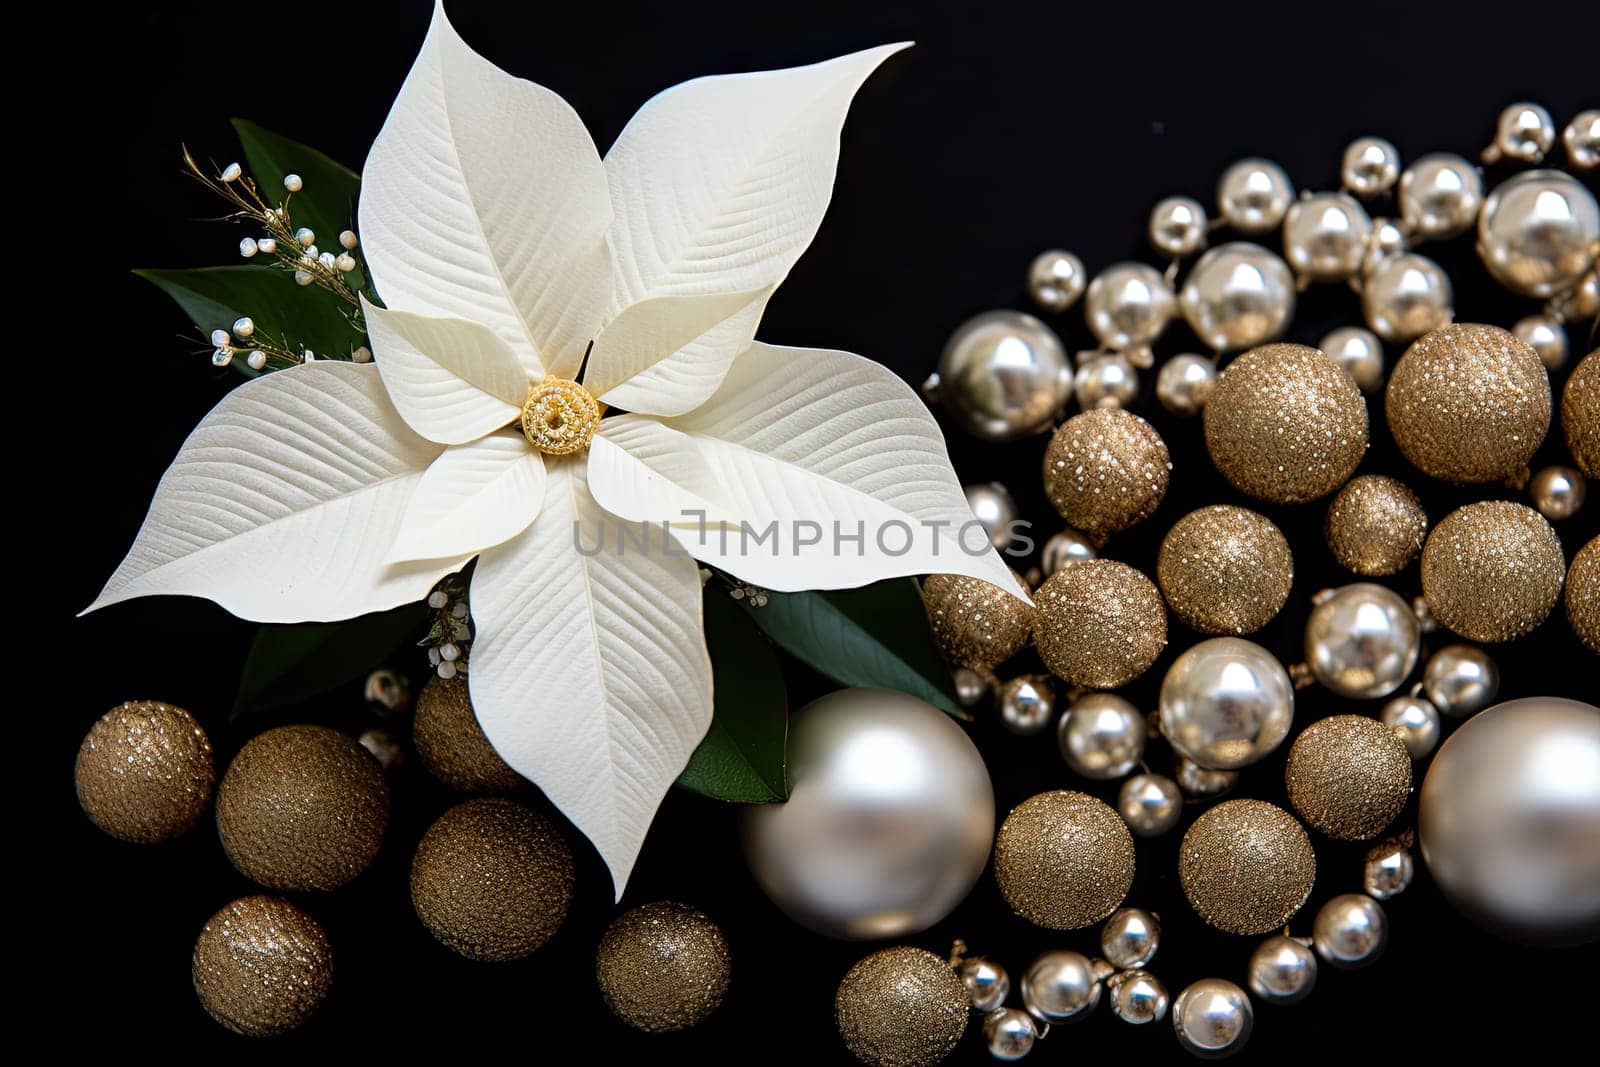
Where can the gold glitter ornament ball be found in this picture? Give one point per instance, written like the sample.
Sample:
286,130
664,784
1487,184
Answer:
1469,404
1583,595
1099,624
1348,776
1491,571
492,879
1225,570
1375,525
1286,424
302,807
1246,866
1064,860
1580,414
452,745
976,623
145,772
1105,470
901,1007
262,966
663,966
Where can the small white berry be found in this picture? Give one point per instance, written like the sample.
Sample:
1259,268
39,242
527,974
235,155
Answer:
308,355
220,338
306,236
327,260
345,262
244,327
302,278
256,359
247,247
362,355
459,610
450,651
231,172
222,357
447,670
433,657
347,240
293,183
269,245
437,599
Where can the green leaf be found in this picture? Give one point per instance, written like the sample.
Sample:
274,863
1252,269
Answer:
742,756
327,203
876,636
290,663
213,297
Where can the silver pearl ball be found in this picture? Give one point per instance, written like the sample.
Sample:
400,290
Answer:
1213,1018
1582,138
1056,280
1350,931
1583,302
1061,985
1129,305
1538,232
1557,492
1362,640
1510,820
889,821
1178,226
1282,970
1203,782
1525,132
1416,721
1009,1033
1439,196
1325,237
1138,997
987,983
1547,336
1387,239
1184,383
1102,736
1064,547
1225,703
1237,296
1003,376
992,505
1359,352
1130,938
1461,680
1406,296
1028,704
970,686
1388,871
1106,382
1253,195
1150,804
1370,166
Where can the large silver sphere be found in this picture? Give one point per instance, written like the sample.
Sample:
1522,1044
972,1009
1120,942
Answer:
1325,236
1150,804
1362,640
1184,383
1282,970
1439,196
1538,232
1003,375
1370,166
1406,296
1237,296
1061,985
889,820
1350,931
1178,226
1510,820
1129,305
992,505
1359,353
1226,703
1461,680
1253,195
1056,279
1213,1018
1101,736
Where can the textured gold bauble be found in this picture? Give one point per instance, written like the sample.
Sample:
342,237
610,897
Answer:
1285,423
1100,623
1469,404
145,772
452,745
1225,570
261,966
1105,470
663,966
492,879
559,417
1348,776
1583,595
976,623
1491,571
1246,866
302,807
1064,860
1375,525
901,1007
1580,414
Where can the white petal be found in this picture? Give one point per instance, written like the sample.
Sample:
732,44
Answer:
483,198
813,443
665,356
282,502
453,380
589,672
474,496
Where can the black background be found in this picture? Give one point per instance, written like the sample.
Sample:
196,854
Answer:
1006,131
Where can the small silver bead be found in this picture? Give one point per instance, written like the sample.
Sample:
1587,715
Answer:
1557,492
970,686
1184,383
1130,938
1067,545
1129,305
1387,239
1416,721
1440,195
987,983
1582,138
1282,970
1060,985
1056,279
1359,352
1102,736
244,326
248,247
1178,226
232,172
1213,1018
1325,237
1150,804
1137,997
1460,680
1388,871
1548,338
1106,382
1525,132
1351,931
1198,781
306,236
1010,1033
992,505
1370,166
1028,704
269,245
1254,195
293,183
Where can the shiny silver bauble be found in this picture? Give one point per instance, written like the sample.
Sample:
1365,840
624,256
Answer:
1226,703
1237,296
1063,547
1213,1018
1325,236
1524,133
1178,226
1129,305
1056,280
1362,640
1101,736
1061,985
995,509
1282,970
1027,704
1150,804
1350,931
1538,232
1108,381
1461,680
1416,721
1253,195
1370,166
1406,296
1439,196
1003,375
1359,353
1547,336
1184,383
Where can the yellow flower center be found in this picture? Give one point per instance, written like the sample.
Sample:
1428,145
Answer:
559,417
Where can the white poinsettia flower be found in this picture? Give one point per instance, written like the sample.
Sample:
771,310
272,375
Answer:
532,288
